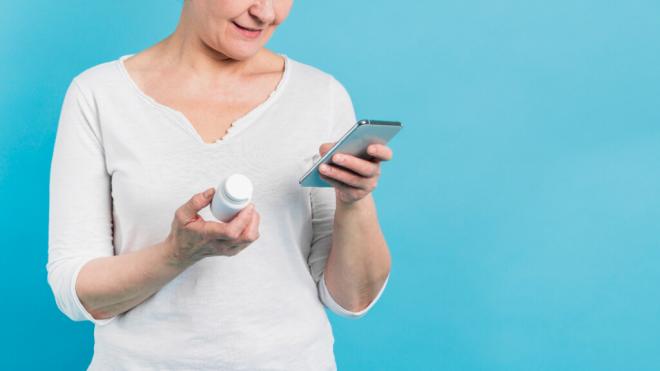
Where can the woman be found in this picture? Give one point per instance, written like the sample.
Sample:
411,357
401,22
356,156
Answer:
132,244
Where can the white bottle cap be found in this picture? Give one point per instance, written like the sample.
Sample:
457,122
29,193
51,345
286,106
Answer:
238,188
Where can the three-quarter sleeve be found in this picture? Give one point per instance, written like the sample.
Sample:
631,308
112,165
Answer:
80,202
323,204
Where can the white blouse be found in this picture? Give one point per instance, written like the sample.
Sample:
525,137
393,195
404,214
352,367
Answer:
123,163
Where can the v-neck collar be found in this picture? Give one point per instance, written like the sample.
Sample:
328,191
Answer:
237,125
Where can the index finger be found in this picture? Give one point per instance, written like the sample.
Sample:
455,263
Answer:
380,151
233,229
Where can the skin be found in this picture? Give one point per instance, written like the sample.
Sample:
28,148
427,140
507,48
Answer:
213,75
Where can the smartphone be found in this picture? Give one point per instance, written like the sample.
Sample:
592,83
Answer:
354,142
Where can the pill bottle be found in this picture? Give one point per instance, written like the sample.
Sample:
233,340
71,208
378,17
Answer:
231,196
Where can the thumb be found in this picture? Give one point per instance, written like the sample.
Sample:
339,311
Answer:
197,202
325,147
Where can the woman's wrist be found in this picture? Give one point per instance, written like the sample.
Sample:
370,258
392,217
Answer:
177,257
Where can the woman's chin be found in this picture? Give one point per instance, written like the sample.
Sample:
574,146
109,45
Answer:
240,50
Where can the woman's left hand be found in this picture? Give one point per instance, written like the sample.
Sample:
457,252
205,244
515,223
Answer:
354,177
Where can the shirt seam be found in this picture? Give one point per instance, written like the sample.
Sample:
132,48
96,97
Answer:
99,141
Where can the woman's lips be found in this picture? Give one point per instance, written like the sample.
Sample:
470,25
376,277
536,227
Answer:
247,32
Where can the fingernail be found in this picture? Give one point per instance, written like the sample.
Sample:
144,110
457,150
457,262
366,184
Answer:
338,158
323,168
208,192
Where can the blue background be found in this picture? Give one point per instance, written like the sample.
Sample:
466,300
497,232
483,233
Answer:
521,206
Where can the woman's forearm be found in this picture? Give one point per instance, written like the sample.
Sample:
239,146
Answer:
113,285
359,260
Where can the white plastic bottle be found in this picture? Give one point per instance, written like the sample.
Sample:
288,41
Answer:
231,196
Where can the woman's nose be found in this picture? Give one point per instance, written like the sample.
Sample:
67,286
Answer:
263,10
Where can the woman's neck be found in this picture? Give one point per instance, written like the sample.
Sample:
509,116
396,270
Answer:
183,50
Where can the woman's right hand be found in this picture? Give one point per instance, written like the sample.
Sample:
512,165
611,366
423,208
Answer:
192,238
